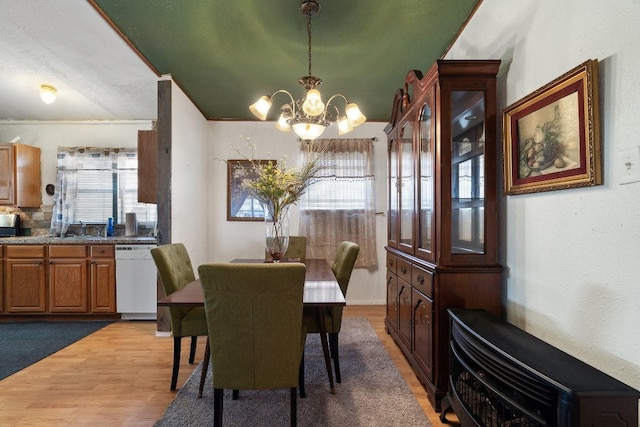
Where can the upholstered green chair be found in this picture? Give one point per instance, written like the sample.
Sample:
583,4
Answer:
256,335
175,270
342,267
296,250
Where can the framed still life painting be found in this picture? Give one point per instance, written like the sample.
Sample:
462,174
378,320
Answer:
551,137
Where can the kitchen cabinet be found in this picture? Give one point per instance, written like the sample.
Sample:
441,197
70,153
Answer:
71,279
68,279
102,278
442,235
148,166
20,179
25,279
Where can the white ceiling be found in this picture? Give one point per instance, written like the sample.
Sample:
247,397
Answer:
67,44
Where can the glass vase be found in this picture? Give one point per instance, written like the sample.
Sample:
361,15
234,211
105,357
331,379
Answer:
277,234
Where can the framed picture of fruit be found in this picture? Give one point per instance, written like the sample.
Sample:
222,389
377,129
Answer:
551,136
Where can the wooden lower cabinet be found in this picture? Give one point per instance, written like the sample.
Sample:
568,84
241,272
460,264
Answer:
58,279
417,301
25,279
68,279
102,278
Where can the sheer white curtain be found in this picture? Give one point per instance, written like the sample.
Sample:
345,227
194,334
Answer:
340,204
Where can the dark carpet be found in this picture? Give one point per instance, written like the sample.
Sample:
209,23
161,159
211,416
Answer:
24,343
372,392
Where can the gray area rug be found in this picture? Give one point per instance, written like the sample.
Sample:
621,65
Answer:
372,392
25,343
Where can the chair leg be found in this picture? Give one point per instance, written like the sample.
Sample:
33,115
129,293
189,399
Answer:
205,368
303,394
217,406
294,407
235,394
192,352
176,361
333,346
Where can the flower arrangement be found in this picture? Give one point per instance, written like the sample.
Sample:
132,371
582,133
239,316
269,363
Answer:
277,188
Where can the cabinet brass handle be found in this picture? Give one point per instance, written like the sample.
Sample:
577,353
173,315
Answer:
404,270
421,279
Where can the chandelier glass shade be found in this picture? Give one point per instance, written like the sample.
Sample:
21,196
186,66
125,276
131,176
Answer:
310,116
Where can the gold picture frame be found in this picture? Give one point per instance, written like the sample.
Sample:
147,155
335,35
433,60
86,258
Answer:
552,136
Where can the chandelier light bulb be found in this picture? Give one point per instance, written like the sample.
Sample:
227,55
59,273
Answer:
355,116
313,105
308,131
261,107
48,93
344,126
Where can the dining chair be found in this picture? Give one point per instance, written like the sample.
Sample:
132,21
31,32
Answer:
296,250
175,271
342,267
256,334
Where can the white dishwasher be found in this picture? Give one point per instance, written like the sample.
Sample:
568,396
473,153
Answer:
136,277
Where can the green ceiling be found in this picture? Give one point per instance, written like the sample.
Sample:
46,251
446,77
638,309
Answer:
226,53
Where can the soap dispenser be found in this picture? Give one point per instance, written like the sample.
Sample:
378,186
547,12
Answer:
110,227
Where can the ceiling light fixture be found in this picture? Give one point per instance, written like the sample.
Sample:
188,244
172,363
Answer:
48,93
309,117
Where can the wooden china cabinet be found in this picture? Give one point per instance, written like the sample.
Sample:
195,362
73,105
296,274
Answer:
443,226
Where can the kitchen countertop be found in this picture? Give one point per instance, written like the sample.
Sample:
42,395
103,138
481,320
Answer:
78,240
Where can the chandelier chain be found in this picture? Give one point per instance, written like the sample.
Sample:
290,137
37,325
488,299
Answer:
309,34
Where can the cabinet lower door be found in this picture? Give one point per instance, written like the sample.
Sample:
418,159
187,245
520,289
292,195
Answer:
392,301
68,291
404,313
423,332
25,286
103,285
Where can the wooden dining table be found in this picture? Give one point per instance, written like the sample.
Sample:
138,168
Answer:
321,290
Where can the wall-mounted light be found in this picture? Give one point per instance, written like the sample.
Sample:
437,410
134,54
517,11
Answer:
47,93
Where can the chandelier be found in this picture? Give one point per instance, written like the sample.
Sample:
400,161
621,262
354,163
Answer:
309,117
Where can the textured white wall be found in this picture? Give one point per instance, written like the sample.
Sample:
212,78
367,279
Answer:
189,187
572,256
241,239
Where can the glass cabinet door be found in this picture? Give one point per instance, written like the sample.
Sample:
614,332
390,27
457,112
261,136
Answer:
468,172
406,188
426,222
394,188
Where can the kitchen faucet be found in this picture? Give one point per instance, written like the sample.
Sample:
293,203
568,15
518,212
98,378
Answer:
83,229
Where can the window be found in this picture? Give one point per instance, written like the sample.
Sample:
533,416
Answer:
340,204
94,184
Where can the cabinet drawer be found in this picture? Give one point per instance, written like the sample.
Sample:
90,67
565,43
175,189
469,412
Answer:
422,280
404,270
67,251
391,262
103,251
25,251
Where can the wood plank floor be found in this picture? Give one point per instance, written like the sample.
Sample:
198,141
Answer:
119,376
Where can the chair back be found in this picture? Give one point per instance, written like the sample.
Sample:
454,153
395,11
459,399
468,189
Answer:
175,271
343,263
297,249
254,313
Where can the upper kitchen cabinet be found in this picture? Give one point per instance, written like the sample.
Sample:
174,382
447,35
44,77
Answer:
20,179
